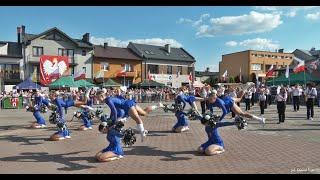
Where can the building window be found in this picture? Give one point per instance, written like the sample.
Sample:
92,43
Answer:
282,57
290,57
84,69
105,66
256,67
66,52
84,53
128,67
269,56
180,70
154,69
260,55
169,69
37,51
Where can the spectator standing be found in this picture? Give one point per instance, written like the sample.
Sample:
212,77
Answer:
204,95
281,104
247,99
311,94
296,94
262,101
253,96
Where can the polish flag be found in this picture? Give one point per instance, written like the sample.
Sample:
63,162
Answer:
300,67
79,75
225,74
270,71
190,77
122,73
149,75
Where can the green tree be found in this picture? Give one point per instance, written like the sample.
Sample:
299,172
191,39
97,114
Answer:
231,80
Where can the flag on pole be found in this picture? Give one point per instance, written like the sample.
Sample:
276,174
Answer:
190,77
270,71
122,73
240,78
80,74
287,72
225,74
300,67
149,75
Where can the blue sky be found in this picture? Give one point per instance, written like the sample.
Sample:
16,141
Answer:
205,32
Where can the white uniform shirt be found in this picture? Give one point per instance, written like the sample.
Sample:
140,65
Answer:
296,91
311,93
248,95
282,97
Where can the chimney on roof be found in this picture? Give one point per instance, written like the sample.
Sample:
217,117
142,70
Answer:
19,34
105,45
85,37
168,48
280,50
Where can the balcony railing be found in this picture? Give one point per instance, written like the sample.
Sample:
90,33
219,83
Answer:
35,59
10,76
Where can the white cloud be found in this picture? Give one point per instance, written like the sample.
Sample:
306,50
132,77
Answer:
254,22
291,14
288,11
256,44
120,43
231,43
313,16
260,44
194,23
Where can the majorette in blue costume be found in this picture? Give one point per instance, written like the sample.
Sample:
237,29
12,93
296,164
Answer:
228,104
214,144
57,117
120,109
38,106
86,112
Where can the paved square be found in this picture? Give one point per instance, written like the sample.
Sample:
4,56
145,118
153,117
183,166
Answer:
292,147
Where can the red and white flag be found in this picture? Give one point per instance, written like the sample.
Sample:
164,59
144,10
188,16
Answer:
122,73
300,67
225,74
149,75
79,75
190,77
270,71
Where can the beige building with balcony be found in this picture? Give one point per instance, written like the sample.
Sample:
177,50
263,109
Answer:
54,42
253,63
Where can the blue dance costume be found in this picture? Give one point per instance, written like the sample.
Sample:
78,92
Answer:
39,101
184,99
61,105
85,114
213,135
116,106
225,104
182,120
